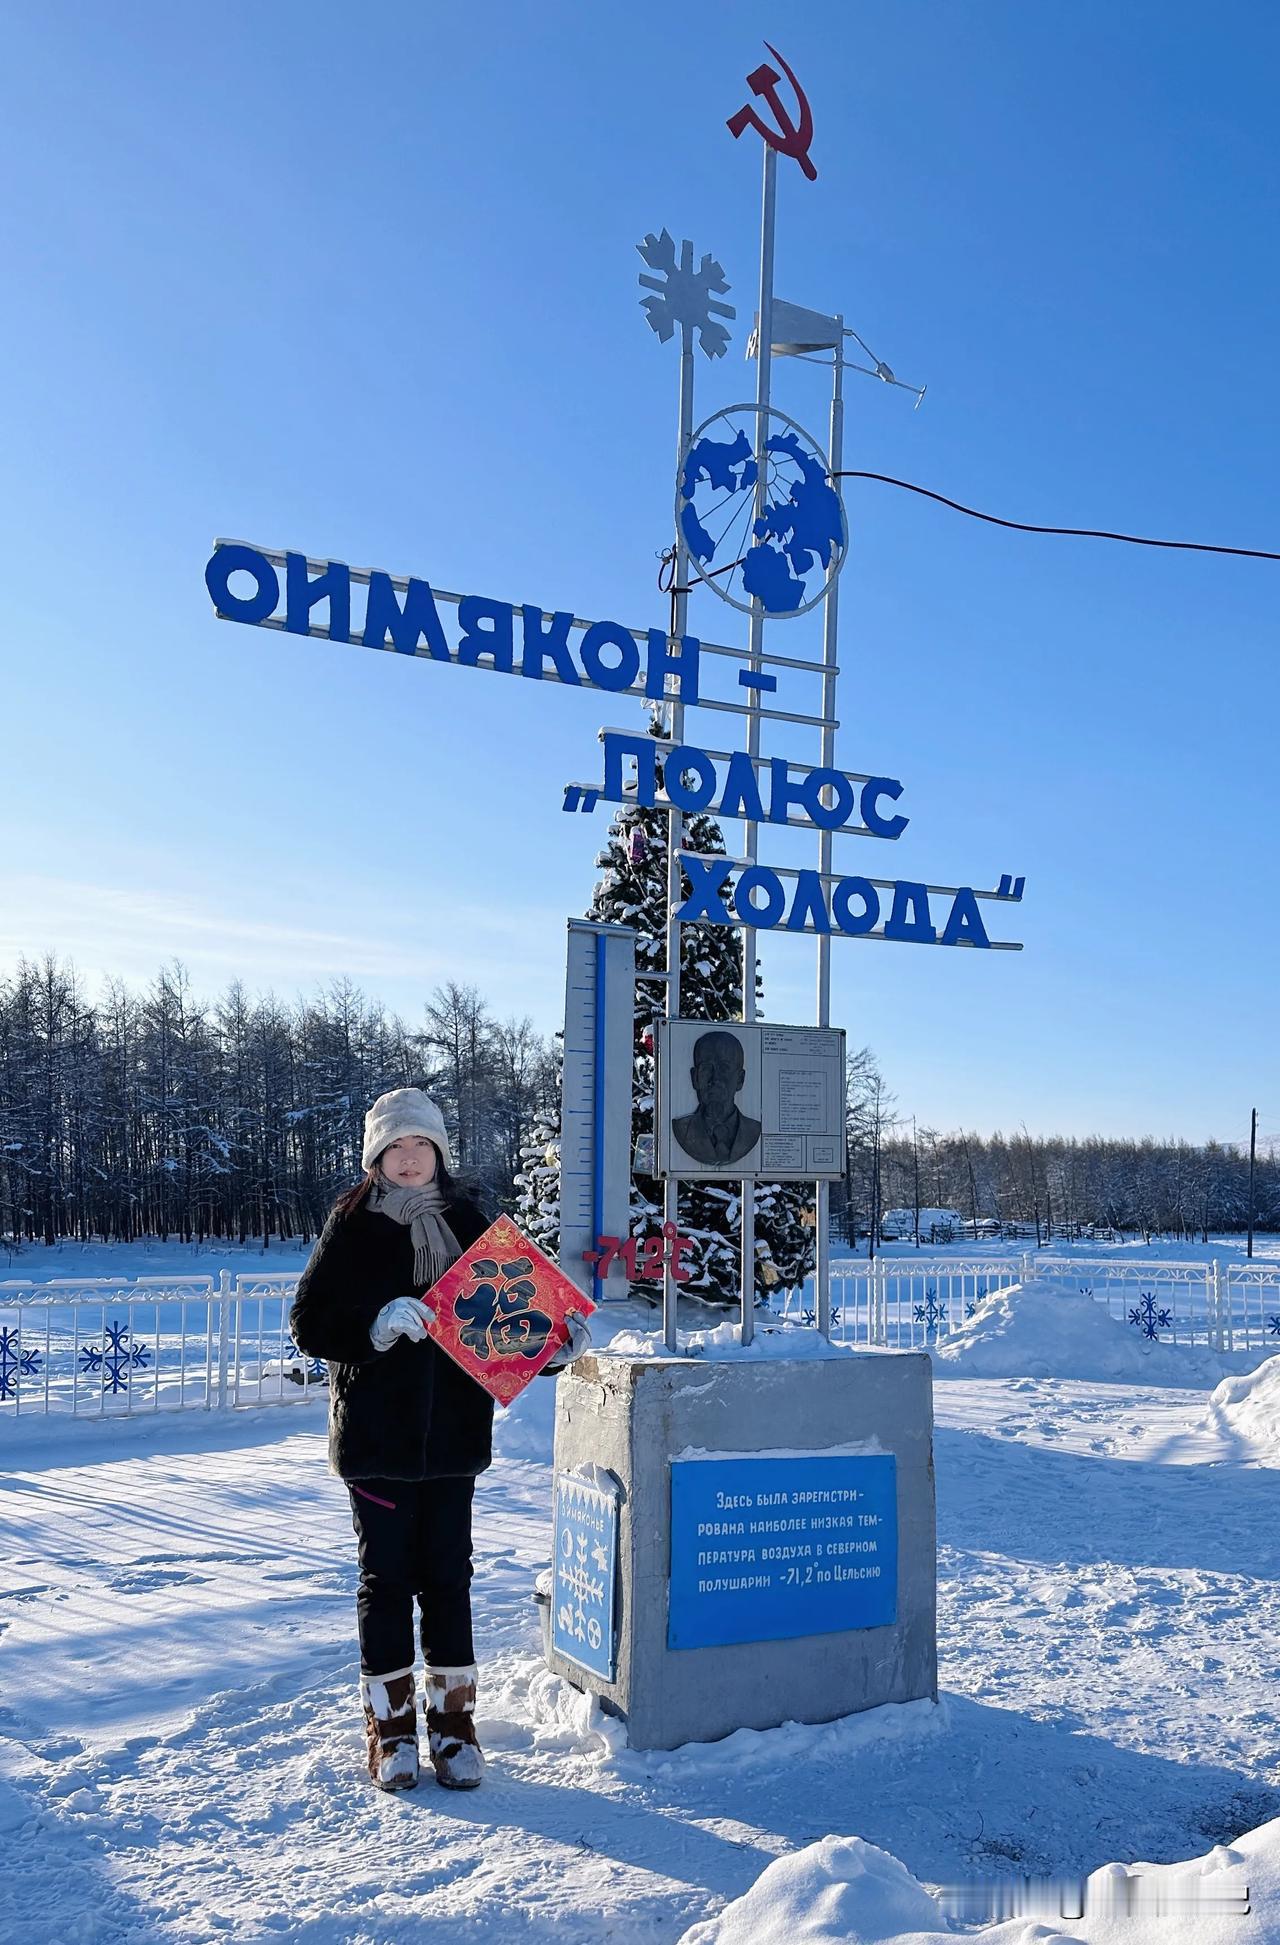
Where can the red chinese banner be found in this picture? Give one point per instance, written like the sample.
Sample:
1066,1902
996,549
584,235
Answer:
500,1310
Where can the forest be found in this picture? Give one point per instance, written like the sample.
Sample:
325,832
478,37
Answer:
156,1113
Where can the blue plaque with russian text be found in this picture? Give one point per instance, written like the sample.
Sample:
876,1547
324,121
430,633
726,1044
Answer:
768,1549
585,1567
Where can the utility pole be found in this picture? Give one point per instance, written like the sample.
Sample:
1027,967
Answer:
1253,1163
915,1157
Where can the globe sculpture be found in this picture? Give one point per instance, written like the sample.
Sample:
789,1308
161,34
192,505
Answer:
781,547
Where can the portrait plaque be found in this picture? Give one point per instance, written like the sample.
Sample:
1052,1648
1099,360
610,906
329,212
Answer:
750,1101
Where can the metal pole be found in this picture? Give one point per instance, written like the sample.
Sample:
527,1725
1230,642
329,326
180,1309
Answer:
675,821
1253,1159
830,622
755,646
224,1340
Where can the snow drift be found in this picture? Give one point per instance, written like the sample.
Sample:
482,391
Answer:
1248,1409
839,1889
1040,1330
845,1891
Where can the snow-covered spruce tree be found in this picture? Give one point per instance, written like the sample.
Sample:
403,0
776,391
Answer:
537,1210
632,890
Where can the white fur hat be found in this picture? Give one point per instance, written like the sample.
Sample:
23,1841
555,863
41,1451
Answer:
405,1111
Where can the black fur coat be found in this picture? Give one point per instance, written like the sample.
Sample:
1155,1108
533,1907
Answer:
406,1413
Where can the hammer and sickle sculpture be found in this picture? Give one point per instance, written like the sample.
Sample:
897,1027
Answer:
787,137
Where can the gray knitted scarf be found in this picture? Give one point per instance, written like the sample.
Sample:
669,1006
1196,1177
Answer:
434,1244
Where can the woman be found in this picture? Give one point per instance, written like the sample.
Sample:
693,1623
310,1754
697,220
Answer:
408,1432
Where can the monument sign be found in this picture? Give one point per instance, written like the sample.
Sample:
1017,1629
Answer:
708,1507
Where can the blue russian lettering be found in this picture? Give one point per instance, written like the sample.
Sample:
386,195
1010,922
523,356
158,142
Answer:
856,924
876,787
301,594
809,905
758,877
831,817
549,643
643,751
784,795
917,928
253,608
417,620
677,764
477,639
964,922
741,796
706,889
805,795
621,674
662,662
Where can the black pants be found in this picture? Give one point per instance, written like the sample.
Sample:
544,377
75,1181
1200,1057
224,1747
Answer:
415,1542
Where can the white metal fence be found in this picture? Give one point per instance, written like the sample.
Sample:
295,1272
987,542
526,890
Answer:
900,1304
109,1347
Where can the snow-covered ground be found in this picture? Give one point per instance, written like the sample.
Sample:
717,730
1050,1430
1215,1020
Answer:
39,1262
36,1262
180,1747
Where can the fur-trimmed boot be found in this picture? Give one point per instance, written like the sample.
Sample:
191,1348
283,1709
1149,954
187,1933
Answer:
391,1729
451,1730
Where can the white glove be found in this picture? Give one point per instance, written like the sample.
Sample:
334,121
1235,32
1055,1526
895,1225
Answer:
402,1317
579,1337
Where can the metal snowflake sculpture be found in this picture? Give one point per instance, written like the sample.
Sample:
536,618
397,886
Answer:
931,1313
1273,1325
15,1363
117,1359
684,295
971,1306
1149,1317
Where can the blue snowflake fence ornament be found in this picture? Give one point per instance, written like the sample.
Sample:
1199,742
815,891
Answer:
1273,1325
1150,1317
931,1312
15,1363
683,295
117,1359
782,548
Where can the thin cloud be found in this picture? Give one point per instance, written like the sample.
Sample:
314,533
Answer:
510,952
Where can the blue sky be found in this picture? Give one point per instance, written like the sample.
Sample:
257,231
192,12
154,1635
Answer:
363,282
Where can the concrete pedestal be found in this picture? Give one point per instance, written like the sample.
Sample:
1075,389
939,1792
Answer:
632,1417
